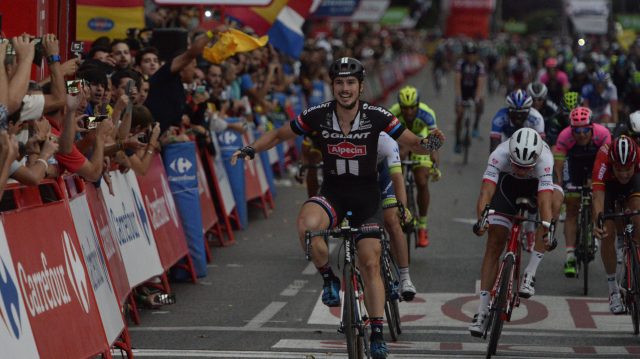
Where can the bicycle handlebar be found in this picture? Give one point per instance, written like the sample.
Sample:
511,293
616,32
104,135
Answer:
482,222
341,232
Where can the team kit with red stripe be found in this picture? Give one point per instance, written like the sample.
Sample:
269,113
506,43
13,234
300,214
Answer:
350,175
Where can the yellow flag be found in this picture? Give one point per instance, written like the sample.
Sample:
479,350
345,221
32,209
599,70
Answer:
230,43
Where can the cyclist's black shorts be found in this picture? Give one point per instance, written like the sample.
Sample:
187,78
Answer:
508,189
362,199
614,191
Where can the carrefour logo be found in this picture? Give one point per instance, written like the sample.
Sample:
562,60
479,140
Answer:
10,311
75,271
181,165
100,24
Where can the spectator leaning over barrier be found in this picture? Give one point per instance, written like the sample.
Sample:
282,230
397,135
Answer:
64,126
146,132
121,53
99,86
166,98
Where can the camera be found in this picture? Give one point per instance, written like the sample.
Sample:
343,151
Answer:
144,137
77,47
92,122
73,87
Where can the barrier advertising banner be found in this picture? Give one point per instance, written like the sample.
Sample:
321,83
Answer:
180,163
229,142
256,181
223,179
97,267
54,282
130,224
209,216
110,245
16,337
163,213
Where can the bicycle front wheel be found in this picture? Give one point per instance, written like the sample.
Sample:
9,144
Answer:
634,295
350,315
498,309
391,309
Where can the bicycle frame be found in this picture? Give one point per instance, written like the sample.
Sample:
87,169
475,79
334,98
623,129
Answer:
584,246
631,282
354,320
468,113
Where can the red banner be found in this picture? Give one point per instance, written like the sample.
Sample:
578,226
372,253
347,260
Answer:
53,279
108,241
164,218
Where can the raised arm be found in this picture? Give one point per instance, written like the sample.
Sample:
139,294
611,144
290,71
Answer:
267,141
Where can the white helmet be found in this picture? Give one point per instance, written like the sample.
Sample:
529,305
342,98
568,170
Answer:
634,121
525,146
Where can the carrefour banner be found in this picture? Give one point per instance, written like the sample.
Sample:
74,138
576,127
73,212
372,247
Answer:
163,213
97,266
180,163
231,141
132,229
109,243
112,18
16,337
53,279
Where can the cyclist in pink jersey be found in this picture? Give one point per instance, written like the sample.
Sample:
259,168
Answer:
574,155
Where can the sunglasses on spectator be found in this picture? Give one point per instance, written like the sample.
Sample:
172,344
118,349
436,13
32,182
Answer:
581,130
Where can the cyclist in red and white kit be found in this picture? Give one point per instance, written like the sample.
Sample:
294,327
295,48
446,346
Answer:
615,177
520,167
346,130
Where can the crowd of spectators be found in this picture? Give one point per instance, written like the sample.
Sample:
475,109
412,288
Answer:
117,104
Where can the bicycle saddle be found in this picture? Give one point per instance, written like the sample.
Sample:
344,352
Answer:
526,202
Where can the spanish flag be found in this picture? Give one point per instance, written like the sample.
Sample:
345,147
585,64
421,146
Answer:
230,43
112,18
260,18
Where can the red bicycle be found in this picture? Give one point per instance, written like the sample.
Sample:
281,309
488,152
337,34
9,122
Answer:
503,296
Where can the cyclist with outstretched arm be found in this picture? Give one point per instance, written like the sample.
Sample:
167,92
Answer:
346,131
615,177
520,167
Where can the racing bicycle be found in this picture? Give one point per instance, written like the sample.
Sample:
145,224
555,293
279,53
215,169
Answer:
630,286
354,322
410,228
585,244
391,278
503,296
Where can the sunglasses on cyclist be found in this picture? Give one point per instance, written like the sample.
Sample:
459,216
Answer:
522,168
583,130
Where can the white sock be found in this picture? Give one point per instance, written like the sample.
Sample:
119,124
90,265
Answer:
613,285
571,253
404,274
534,261
483,307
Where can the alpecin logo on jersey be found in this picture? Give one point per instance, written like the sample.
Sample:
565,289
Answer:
347,150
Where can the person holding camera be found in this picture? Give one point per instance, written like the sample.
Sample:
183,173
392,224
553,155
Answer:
146,132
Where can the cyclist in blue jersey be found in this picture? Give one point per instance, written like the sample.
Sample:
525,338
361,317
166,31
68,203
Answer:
601,96
516,115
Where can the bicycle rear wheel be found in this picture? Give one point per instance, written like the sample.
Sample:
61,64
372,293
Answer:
498,309
350,315
466,143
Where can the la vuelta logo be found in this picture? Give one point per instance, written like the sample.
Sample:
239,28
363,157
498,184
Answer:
347,150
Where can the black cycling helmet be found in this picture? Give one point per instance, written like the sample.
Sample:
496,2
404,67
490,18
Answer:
346,66
470,48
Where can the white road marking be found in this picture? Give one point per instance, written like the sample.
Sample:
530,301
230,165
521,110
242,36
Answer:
267,313
340,344
465,220
294,288
540,312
